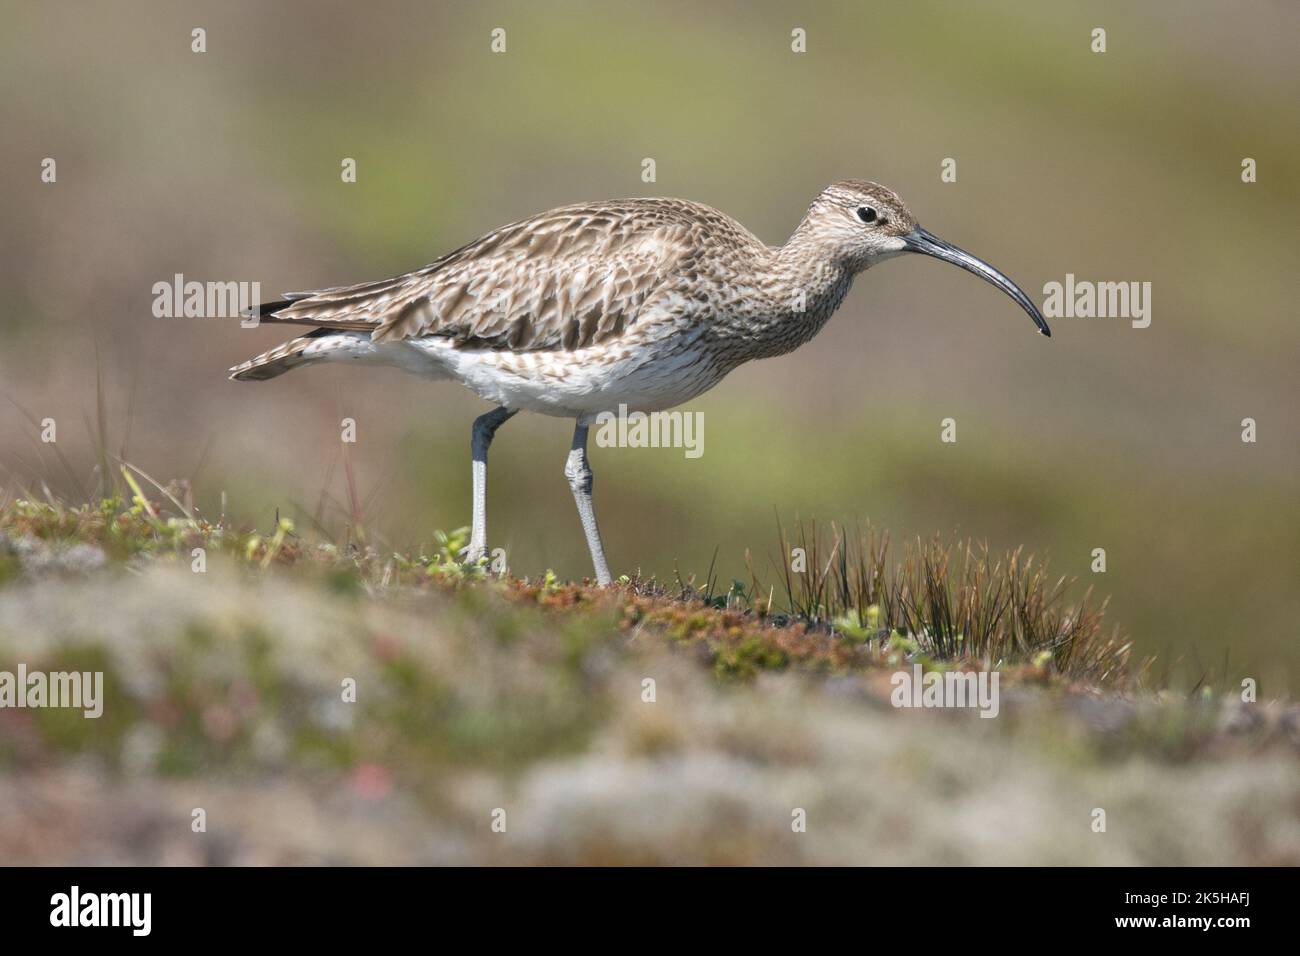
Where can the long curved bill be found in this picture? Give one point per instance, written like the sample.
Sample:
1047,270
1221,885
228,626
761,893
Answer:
918,240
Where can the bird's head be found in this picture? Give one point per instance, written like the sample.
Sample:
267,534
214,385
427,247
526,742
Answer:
858,224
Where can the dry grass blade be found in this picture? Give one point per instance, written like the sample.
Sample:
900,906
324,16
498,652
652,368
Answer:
950,602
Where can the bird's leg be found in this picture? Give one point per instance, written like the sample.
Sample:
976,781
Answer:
485,426
578,471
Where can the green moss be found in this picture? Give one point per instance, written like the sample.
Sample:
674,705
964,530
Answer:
747,658
69,730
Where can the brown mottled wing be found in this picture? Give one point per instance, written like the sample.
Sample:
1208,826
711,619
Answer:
566,279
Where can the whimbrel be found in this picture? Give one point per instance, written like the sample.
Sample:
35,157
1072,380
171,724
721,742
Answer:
641,303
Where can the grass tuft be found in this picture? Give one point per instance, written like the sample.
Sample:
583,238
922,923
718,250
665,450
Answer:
949,602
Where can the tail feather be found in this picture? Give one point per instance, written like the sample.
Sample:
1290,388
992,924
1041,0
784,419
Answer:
278,360
270,312
267,309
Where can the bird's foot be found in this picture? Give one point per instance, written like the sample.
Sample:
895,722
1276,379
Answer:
474,559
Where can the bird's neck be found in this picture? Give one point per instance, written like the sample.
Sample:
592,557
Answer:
803,266
804,288
792,290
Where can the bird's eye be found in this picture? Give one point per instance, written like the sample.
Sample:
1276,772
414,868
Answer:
866,214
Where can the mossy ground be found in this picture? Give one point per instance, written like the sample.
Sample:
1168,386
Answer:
225,690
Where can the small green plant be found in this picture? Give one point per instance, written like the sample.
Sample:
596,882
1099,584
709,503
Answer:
450,545
859,626
735,596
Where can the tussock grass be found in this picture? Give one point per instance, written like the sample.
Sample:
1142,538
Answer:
950,601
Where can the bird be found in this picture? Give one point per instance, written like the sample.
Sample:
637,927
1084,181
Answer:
606,307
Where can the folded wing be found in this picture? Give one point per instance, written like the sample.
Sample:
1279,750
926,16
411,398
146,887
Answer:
567,279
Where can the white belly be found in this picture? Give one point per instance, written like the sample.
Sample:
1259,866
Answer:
645,376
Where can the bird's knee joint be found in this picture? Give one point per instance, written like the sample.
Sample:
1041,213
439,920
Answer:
579,476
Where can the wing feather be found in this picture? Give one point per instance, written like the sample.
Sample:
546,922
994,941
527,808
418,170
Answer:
566,279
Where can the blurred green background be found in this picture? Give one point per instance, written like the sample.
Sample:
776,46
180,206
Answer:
1123,166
